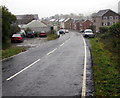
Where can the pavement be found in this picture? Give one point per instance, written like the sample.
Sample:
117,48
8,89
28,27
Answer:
50,68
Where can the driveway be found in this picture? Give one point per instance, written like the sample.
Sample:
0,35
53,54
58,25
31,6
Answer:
31,42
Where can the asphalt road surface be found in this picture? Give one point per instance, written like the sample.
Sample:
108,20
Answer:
53,68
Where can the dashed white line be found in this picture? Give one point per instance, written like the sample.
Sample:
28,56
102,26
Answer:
84,73
52,51
62,44
33,63
22,70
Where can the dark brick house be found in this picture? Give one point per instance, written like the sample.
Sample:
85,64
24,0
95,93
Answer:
86,24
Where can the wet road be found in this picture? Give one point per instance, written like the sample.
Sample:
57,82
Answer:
53,68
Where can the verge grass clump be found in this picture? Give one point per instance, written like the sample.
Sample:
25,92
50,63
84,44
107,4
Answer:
105,66
52,36
12,51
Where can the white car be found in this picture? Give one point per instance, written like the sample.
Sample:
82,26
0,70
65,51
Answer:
88,33
66,31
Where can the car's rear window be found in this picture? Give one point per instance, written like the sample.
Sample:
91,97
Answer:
29,32
42,32
88,31
16,35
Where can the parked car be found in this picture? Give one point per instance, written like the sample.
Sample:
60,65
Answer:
61,31
35,33
43,34
17,38
88,33
22,33
58,34
30,34
66,31
81,31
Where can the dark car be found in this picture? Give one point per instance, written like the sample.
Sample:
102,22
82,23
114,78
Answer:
61,32
36,34
17,38
81,31
42,34
30,34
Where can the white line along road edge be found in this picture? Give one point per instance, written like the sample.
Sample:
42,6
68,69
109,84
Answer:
22,70
84,72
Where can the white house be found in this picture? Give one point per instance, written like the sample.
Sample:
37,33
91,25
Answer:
37,26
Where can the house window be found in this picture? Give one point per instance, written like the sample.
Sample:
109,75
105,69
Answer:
102,23
116,17
108,23
80,24
111,23
110,17
105,24
105,17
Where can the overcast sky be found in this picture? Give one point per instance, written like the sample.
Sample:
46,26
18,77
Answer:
46,8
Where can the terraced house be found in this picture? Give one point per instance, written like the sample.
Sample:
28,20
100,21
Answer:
105,18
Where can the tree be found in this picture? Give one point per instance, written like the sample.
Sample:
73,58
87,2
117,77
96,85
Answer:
14,29
7,20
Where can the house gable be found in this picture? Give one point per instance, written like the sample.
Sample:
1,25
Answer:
111,13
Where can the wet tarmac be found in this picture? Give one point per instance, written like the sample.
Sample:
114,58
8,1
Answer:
58,73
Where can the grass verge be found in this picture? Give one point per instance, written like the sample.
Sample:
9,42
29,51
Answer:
106,72
12,51
52,36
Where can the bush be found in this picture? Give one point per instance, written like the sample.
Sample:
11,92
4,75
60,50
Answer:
104,29
115,30
52,36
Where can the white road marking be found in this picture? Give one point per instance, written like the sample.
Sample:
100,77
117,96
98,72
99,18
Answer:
62,44
84,73
52,51
33,63
22,70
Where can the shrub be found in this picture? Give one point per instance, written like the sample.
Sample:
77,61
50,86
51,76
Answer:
104,29
115,30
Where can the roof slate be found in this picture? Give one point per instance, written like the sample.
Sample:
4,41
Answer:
102,12
35,23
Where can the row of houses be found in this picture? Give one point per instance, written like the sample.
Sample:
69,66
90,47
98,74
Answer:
101,18
73,24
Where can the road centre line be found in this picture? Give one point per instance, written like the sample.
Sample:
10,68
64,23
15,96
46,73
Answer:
52,51
23,70
33,63
62,44
84,73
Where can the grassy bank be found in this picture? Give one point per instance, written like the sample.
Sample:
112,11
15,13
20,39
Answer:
11,51
106,67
